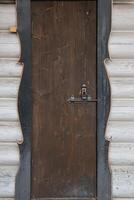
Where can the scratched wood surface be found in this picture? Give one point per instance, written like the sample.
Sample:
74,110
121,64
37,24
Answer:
64,135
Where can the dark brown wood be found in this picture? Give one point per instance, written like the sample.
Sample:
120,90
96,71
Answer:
64,135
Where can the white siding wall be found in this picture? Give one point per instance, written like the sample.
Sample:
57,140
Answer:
120,125
10,78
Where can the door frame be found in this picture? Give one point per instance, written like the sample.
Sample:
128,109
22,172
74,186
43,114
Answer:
103,92
23,185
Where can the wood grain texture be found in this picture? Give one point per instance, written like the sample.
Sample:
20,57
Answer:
64,165
10,78
120,130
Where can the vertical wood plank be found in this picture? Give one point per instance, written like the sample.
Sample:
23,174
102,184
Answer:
103,175
64,135
25,101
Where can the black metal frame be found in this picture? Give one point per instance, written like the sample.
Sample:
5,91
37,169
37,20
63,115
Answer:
23,186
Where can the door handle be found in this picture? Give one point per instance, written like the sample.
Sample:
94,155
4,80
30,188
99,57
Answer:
83,97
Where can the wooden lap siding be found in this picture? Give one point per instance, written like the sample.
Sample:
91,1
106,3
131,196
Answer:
10,77
120,126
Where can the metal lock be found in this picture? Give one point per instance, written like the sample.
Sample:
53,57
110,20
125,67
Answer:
83,92
83,96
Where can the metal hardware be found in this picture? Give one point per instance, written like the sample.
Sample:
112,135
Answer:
84,97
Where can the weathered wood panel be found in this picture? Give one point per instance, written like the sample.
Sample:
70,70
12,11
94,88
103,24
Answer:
120,125
122,87
9,154
8,110
10,78
121,20
9,68
9,46
121,154
8,16
9,87
122,109
7,180
10,131
121,45
120,68
123,181
64,134
120,131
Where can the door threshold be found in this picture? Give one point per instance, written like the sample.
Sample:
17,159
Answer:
67,198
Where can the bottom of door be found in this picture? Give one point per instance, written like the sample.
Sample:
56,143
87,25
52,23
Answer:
64,198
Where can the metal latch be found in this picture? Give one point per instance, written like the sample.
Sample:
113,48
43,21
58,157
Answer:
83,96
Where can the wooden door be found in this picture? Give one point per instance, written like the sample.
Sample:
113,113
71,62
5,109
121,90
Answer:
64,134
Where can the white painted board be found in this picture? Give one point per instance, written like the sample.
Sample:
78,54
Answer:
121,154
121,45
9,46
7,181
8,16
9,154
10,68
123,17
120,131
8,109
9,87
122,87
119,68
123,181
122,109
11,132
